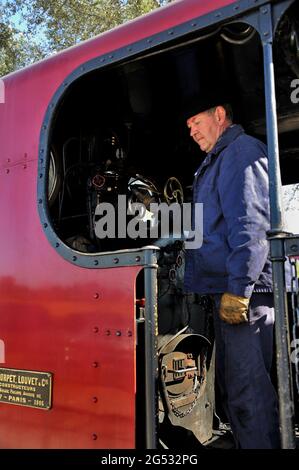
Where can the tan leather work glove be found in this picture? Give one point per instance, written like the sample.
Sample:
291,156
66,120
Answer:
233,309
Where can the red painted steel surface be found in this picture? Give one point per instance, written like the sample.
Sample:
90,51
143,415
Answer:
55,317
48,309
51,318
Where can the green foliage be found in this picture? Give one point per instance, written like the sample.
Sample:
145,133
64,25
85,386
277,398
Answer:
16,48
8,56
33,29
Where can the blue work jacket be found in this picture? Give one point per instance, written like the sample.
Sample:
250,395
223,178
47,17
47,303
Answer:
232,183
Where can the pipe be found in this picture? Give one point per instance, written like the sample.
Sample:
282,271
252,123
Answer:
151,355
276,236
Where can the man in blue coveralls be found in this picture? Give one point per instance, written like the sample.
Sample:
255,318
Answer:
233,266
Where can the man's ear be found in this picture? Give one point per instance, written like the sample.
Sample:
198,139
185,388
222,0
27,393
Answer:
220,114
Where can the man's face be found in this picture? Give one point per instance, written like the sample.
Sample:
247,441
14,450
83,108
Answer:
205,129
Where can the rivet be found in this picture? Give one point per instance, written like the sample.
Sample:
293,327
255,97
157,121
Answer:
103,59
137,259
264,11
7,171
130,333
95,399
266,33
95,262
82,68
236,7
45,225
95,329
217,15
116,260
44,127
193,24
65,84
8,160
40,201
107,332
111,56
294,248
74,258
24,167
57,245
41,175
96,295
42,151
118,333
170,32
94,437
129,49
149,41
95,364
41,160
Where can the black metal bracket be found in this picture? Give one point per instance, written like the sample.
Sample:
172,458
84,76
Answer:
292,245
288,245
266,19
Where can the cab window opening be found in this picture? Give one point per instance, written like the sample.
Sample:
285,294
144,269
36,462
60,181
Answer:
120,131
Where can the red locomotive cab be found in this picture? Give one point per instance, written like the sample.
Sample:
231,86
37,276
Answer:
100,345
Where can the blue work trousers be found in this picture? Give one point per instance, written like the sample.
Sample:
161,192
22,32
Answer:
243,362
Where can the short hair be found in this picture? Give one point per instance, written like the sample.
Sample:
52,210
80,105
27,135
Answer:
228,110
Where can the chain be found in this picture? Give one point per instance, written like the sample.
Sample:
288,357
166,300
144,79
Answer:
295,311
182,414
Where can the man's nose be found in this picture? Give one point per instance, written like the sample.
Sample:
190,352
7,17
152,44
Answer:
193,131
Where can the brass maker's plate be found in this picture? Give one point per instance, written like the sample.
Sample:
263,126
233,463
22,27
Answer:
26,388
